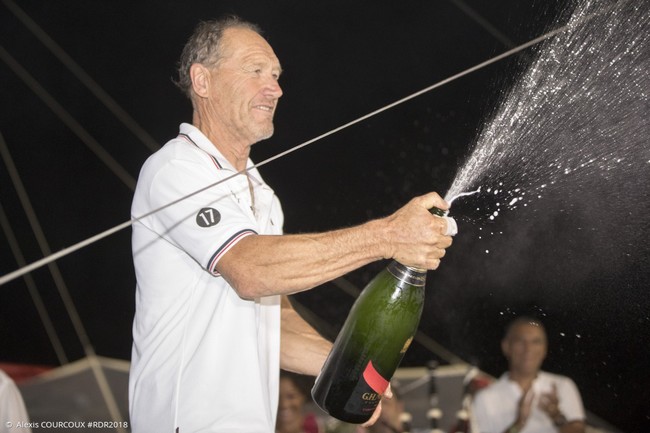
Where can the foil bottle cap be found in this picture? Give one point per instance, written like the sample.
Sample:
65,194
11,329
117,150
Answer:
452,227
413,276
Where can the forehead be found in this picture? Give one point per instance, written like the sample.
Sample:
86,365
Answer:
530,330
242,44
288,385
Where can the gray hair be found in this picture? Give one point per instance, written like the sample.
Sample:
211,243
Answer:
204,46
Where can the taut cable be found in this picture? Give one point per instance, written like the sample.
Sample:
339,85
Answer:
64,252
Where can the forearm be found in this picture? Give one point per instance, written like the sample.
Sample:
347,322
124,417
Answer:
572,427
515,427
302,349
261,265
266,265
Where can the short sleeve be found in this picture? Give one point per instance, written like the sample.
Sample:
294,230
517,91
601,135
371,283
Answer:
196,208
570,401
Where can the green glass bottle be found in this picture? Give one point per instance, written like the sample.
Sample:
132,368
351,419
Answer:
372,342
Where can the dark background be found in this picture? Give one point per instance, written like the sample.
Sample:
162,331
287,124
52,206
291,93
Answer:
341,60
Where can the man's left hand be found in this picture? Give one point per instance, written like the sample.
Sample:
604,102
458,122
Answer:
550,404
377,413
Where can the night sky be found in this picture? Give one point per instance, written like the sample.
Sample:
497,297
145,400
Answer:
341,60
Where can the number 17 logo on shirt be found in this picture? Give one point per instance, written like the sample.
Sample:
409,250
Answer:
208,217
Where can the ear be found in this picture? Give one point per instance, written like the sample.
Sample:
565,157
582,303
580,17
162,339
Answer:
200,76
504,348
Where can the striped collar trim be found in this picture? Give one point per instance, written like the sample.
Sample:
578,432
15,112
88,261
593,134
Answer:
214,158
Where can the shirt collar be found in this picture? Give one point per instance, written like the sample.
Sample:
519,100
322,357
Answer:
202,142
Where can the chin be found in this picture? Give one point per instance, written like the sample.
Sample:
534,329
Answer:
263,135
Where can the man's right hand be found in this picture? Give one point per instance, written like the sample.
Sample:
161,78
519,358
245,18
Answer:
415,237
525,407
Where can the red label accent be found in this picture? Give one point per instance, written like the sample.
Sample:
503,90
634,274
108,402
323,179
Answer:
374,379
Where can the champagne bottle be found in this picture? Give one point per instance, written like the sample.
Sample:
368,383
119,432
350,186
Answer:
373,341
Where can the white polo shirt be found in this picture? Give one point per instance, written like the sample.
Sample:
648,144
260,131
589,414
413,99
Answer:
12,407
203,359
495,408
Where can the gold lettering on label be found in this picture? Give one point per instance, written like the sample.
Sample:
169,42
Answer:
370,396
406,345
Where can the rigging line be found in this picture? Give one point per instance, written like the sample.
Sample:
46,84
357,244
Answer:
460,4
68,120
82,76
31,288
45,260
322,326
59,282
42,241
418,93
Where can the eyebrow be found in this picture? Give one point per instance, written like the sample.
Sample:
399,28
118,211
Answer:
264,62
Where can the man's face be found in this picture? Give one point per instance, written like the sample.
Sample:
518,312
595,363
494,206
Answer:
244,89
525,348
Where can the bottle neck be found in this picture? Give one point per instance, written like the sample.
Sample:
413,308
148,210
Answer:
412,276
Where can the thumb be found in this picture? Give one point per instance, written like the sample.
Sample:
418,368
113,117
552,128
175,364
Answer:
432,199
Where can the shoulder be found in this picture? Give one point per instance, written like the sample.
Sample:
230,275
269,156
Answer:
564,384
176,149
7,384
494,390
180,160
554,378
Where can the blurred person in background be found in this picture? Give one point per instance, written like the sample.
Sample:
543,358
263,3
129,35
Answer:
13,414
526,399
293,416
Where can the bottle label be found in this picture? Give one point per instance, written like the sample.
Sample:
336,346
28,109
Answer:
374,379
406,345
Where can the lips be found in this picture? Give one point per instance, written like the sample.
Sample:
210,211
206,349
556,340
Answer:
288,414
267,108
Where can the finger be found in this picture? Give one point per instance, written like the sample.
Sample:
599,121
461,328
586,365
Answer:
528,399
443,242
445,226
375,416
451,228
432,199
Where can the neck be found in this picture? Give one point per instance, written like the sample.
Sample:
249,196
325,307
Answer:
524,380
235,150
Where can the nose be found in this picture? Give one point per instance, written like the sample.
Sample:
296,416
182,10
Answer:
272,88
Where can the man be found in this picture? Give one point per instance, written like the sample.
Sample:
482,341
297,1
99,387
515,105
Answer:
526,399
213,324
